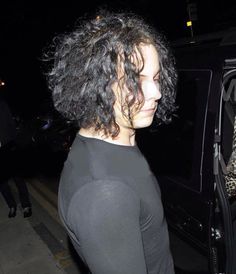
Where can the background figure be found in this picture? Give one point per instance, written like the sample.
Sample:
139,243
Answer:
8,149
23,195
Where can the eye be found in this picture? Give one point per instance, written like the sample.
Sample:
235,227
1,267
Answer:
157,80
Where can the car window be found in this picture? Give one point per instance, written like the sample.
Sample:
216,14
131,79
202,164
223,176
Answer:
178,145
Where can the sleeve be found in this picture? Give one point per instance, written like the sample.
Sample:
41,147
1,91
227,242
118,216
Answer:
105,218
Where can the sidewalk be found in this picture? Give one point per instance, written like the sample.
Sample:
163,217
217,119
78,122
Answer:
22,251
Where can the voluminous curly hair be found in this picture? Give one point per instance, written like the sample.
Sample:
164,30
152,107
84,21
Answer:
85,65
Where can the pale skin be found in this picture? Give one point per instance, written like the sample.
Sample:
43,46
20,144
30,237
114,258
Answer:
149,77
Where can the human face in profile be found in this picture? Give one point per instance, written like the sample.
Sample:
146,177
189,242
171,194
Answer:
149,83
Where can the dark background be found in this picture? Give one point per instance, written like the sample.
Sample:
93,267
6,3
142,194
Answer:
27,27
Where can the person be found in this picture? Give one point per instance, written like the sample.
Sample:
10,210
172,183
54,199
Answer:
112,74
8,136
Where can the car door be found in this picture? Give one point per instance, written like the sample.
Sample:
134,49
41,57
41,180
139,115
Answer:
181,156
225,161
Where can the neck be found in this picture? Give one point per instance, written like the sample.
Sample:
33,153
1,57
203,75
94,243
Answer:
126,137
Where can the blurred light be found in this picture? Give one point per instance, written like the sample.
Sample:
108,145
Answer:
98,17
2,83
189,23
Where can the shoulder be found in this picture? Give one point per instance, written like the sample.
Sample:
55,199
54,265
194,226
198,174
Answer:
103,198
105,189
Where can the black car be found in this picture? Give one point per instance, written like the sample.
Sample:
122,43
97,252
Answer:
189,156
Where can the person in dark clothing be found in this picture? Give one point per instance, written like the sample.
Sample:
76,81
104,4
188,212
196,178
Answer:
23,195
113,74
8,135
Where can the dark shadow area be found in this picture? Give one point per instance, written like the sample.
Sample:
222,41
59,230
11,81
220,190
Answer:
79,263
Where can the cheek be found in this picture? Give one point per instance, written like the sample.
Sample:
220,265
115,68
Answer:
149,88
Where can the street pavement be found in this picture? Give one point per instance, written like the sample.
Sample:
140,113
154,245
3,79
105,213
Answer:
38,244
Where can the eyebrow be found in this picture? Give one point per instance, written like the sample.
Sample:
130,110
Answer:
148,75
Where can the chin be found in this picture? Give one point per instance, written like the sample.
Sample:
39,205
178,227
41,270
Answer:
143,123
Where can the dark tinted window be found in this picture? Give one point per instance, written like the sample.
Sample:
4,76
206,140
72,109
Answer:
174,150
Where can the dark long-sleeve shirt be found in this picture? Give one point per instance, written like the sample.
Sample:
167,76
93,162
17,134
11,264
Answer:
110,204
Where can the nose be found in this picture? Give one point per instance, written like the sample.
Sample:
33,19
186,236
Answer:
151,90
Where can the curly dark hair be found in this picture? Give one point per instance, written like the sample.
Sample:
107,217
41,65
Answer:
85,67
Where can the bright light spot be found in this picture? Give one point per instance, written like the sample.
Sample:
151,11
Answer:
189,24
98,17
2,83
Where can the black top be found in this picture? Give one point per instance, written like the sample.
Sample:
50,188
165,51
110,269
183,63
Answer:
110,204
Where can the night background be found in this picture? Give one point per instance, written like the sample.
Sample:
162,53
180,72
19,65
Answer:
27,27
43,141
